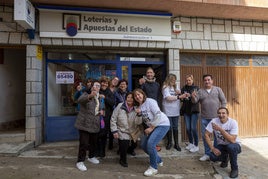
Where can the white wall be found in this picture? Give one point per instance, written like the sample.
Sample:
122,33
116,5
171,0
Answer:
12,82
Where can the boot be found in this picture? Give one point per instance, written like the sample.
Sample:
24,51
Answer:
169,140
176,141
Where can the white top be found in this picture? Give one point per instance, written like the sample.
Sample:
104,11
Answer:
230,127
170,103
151,113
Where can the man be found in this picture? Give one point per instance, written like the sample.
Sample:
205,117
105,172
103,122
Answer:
151,88
210,98
225,130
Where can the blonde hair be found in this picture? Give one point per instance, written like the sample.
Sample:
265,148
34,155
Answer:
168,79
190,76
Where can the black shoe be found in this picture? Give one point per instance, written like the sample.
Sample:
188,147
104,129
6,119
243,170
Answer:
123,164
224,164
234,174
177,147
133,153
168,146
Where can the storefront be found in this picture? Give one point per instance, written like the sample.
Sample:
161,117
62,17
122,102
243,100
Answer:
114,43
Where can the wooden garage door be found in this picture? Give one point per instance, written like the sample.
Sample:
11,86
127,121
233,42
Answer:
242,79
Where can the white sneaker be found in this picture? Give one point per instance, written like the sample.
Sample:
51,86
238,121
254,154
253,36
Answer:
161,164
205,157
150,172
194,149
94,160
189,146
81,166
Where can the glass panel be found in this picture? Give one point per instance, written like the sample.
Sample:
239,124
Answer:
239,60
125,72
80,56
191,59
60,96
216,60
260,60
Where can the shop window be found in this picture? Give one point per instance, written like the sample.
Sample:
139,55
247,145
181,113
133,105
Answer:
60,95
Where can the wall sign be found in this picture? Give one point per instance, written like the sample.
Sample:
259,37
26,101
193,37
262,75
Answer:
24,13
104,25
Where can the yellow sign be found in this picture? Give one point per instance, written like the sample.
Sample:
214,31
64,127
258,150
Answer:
39,52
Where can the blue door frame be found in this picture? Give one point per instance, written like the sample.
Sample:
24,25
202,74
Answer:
61,128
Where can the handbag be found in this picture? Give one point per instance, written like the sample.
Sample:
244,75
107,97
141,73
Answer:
137,132
182,109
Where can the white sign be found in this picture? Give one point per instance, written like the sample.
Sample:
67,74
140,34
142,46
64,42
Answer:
104,25
64,77
24,13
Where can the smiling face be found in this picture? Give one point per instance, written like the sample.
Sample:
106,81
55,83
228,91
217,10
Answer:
223,114
139,97
123,86
115,81
96,87
104,85
150,74
130,100
208,82
189,81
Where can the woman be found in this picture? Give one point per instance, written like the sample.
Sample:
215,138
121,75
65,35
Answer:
88,124
108,97
120,93
112,87
80,88
190,112
123,122
171,106
157,127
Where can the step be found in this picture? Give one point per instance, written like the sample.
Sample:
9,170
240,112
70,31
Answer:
12,137
15,148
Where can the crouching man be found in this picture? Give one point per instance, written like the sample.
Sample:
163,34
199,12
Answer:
225,130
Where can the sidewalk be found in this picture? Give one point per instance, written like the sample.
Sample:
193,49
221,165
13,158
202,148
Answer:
253,160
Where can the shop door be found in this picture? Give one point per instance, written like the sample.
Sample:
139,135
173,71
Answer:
139,70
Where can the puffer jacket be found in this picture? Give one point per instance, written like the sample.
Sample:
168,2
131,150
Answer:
86,119
124,122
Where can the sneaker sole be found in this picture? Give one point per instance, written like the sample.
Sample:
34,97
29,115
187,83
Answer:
150,175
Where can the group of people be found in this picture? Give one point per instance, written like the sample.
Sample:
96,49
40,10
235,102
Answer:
107,108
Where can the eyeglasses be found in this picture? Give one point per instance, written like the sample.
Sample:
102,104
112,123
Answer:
97,86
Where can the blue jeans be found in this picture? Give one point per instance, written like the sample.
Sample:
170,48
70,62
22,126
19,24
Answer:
204,123
230,149
191,127
148,144
174,122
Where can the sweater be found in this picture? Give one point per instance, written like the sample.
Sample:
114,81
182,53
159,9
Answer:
210,102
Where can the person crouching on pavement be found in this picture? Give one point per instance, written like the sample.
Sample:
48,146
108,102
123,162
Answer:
156,127
88,124
228,146
124,121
